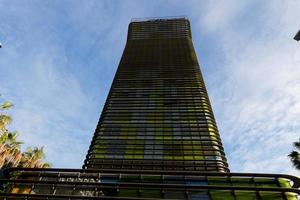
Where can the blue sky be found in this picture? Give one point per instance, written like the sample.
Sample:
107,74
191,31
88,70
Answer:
59,58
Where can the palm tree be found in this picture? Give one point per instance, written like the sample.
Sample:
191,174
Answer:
45,165
295,155
33,158
9,149
6,105
5,119
27,157
10,153
11,140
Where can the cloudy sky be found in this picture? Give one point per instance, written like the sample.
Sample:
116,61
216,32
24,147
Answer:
59,58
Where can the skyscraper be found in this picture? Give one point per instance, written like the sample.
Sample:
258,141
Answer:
156,138
157,114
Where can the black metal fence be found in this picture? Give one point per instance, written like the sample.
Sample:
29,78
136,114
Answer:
26,183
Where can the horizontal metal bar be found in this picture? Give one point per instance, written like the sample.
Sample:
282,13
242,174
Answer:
295,180
43,196
184,187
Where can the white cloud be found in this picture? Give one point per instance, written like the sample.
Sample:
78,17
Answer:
257,107
52,105
219,15
51,108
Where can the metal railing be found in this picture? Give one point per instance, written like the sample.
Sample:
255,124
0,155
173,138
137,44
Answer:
26,183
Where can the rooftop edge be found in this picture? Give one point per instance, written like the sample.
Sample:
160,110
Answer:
151,19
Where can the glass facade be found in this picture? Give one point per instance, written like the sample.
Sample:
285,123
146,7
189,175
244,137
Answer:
157,114
156,138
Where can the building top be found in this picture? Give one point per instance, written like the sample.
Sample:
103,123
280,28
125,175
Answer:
158,28
147,19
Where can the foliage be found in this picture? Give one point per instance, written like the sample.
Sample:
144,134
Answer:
10,148
295,155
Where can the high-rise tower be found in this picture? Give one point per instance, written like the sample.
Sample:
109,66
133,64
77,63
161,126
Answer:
157,114
156,138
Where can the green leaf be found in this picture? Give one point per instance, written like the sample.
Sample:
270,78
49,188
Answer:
6,105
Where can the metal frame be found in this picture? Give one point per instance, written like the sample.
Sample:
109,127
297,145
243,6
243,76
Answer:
92,180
